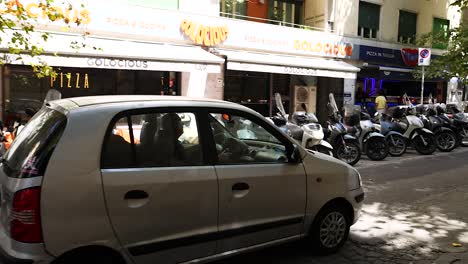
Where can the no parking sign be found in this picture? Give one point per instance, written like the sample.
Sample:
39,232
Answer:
424,57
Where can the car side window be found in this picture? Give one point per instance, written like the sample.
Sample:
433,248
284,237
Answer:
240,140
166,139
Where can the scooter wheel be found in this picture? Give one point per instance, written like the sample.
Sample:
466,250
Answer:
396,145
351,153
377,148
427,149
446,141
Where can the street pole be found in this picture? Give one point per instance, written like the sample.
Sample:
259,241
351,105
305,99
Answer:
422,86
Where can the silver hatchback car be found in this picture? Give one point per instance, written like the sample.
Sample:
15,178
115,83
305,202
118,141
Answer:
153,179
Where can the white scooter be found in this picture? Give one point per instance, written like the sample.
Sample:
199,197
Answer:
304,127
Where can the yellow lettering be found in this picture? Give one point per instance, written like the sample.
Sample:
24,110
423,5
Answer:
216,36
29,10
222,34
85,17
199,39
297,44
58,12
52,81
69,80
212,33
77,81
184,25
226,32
206,36
61,80
86,81
318,47
193,32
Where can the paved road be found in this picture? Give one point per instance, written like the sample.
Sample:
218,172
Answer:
416,207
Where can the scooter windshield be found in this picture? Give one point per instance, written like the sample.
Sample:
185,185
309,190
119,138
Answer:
352,115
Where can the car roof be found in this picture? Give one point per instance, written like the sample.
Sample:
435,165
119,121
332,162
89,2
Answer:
84,101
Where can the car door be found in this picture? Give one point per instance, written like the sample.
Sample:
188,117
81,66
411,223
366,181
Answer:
262,192
162,198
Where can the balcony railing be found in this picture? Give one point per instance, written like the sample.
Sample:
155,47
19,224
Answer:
271,21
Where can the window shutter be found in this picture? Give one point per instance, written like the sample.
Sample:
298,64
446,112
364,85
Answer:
407,24
369,15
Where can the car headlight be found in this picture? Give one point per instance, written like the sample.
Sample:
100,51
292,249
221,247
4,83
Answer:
354,179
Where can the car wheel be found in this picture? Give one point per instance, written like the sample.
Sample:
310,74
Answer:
330,230
89,257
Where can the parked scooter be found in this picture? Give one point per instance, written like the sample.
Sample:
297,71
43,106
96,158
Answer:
345,146
460,121
304,127
397,143
412,128
445,137
370,141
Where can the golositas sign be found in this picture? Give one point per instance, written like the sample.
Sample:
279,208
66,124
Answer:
410,56
204,35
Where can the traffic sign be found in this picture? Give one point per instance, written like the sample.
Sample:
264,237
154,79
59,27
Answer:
424,58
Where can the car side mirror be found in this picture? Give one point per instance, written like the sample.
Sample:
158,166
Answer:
295,156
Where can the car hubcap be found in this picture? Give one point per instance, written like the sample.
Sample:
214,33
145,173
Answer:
332,229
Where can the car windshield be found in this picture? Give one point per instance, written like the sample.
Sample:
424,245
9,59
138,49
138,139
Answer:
31,149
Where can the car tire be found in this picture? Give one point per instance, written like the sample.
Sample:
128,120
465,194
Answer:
89,257
330,230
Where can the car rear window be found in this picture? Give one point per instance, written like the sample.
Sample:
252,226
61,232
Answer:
29,153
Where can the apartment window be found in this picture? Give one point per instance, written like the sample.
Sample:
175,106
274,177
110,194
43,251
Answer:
285,12
369,20
440,29
407,27
234,8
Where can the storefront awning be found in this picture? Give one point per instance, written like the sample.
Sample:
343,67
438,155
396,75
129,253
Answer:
122,54
284,64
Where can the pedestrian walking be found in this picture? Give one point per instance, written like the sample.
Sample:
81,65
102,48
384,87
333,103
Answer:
381,103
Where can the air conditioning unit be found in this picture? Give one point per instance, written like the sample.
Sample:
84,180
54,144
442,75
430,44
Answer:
305,95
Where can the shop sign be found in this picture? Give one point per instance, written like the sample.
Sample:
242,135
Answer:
322,47
376,54
69,80
410,56
65,12
148,24
117,63
386,56
204,35
300,71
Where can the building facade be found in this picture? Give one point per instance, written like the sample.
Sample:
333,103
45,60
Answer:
387,31
235,50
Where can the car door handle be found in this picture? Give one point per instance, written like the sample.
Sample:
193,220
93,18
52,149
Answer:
240,186
136,194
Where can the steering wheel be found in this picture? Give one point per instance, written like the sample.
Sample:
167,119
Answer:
234,146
